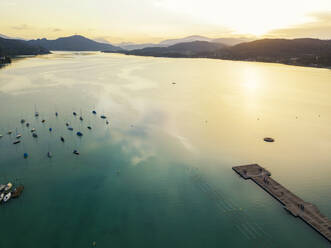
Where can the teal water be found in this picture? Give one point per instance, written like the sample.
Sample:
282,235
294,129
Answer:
160,174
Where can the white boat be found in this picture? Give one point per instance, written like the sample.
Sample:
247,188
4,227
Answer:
2,196
18,136
7,197
33,130
10,132
0,136
8,186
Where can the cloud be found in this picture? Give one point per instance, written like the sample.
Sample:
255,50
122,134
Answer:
319,27
56,29
21,27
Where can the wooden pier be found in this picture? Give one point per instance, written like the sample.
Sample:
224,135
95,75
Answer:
308,212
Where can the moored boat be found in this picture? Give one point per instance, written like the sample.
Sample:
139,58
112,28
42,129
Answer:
33,130
62,139
2,187
7,197
76,152
2,195
17,191
49,154
34,135
8,186
80,134
18,136
16,142
70,129
103,117
89,127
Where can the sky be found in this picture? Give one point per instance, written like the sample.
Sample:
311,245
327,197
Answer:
155,20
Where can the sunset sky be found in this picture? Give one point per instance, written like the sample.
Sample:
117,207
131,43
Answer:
155,20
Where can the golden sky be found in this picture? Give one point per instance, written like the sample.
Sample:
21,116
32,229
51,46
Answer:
155,20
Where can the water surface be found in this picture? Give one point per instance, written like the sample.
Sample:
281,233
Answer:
160,174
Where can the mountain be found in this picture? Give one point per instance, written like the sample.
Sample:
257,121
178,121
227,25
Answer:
10,47
73,43
226,41
10,38
187,49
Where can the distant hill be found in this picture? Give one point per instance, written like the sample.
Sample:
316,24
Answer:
313,52
10,47
187,49
170,42
73,43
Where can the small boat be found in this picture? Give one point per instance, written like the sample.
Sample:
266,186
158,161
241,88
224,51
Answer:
10,132
80,134
56,113
2,187
17,191
49,154
103,117
268,139
76,152
81,118
7,197
107,122
0,136
16,142
94,112
8,186
89,127
25,155
18,136
70,128
43,121
67,124
27,124
62,139
34,135
33,130
22,121
74,113
36,114
50,129
2,195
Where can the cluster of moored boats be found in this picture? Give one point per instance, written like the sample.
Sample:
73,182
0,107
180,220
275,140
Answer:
35,135
7,192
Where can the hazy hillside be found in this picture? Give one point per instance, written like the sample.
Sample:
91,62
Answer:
188,49
73,43
10,47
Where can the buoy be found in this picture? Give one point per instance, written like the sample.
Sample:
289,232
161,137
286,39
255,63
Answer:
268,139
25,155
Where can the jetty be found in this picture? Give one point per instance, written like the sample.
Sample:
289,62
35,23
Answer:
307,211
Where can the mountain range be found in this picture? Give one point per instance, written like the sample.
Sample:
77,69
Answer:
12,47
73,43
226,41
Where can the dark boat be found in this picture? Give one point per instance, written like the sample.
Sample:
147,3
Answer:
107,122
80,134
22,121
94,112
62,139
27,124
43,121
36,114
268,139
89,127
34,135
56,113
74,113
103,117
16,142
81,118
70,129
76,152
67,124
17,191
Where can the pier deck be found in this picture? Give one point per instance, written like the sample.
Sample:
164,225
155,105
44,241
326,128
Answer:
294,204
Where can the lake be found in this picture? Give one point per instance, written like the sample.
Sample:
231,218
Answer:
159,175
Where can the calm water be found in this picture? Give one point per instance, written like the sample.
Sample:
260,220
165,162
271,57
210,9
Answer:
160,174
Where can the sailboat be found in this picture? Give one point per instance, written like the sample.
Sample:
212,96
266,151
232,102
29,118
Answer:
36,113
